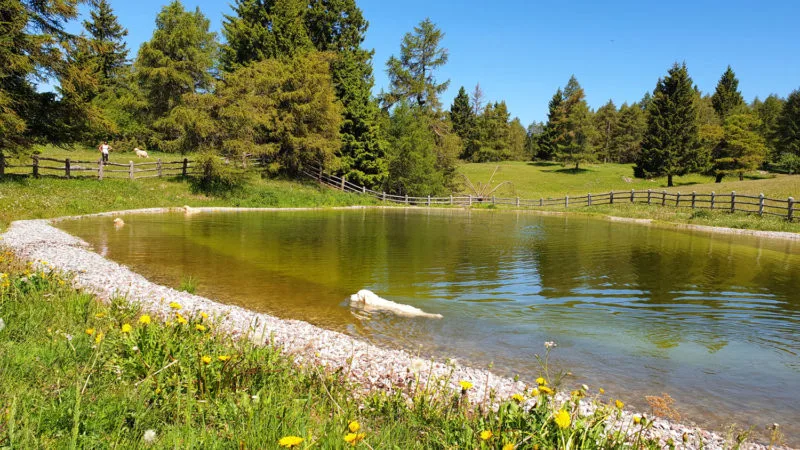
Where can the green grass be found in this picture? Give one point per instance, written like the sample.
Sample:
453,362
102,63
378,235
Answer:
101,375
550,180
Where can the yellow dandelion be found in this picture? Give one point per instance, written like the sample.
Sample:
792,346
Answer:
99,315
619,404
535,392
199,327
169,323
180,319
204,315
541,381
637,420
290,441
99,337
126,328
206,359
562,419
508,447
465,385
223,358
546,390
486,435
144,320
353,426
354,438
602,391
90,331
519,398
174,305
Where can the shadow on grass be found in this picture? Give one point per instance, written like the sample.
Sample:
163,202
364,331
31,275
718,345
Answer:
570,170
685,183
543,163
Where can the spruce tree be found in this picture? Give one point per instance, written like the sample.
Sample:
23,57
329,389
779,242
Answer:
107,41
670,144
768,112
461,115
741,149
573,141
727,96
627,139
605,123
412,76
788,128
556,120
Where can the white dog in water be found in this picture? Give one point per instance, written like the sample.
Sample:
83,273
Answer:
372,302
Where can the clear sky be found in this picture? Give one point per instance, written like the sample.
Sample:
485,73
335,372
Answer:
522,51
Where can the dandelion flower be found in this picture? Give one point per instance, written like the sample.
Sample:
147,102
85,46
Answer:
637,420
541,381
508,447
535,392
519,398
619,404
562,419
99,337
126,328
354,438
546,390
99,315
223,358
206,359
174,305
180,319
90,331
204,315
149,436
486,435
144,320
199,327
290,441
602,391
465,385
353,426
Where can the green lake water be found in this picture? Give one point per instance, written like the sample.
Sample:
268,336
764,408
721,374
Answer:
713,320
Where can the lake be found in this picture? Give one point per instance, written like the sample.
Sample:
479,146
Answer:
711,319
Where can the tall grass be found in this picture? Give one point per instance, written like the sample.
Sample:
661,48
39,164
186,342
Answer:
101,375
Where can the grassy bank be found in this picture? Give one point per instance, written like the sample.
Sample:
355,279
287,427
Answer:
543,180
101,375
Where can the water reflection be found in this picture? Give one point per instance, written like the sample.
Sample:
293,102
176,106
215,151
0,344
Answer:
713,320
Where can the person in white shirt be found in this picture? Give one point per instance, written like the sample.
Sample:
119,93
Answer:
104,149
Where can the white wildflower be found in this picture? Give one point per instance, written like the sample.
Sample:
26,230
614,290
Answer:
149,436
135,348
417,365
2,324
549,344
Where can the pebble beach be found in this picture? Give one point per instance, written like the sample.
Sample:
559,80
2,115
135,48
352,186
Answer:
369,366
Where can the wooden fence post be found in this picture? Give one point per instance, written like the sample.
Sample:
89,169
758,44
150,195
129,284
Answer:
712,199
611,198
517,201
649,194
566,201
733,201
663,198
541,201
130,169
319,177
406,199
2,165
632,194
451,199
343,177
470,200
790,212
185,171
493,200
244,161
761,204
383,196
35,166
694,194
100,169
429,199
158,166
677,199
67,168
589,199
363,189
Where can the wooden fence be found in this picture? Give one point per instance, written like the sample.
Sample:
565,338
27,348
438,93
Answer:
69,168
733,202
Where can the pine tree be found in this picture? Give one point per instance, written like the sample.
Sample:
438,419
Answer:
476,100
727,96
788,129
412,76
627,139
517,140
492,137
741,149
412,153
533,135
670,144
176,61
556,120
107,41
461,115
575,133
768,112
605,123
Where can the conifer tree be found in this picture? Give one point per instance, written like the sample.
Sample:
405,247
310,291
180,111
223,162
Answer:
741,149
412,75
574,139
727,97
788,129
627,139
107,41
556,121
461,115
768,112
605,124
670,144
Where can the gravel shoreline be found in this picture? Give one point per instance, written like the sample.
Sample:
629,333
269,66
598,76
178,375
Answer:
371,366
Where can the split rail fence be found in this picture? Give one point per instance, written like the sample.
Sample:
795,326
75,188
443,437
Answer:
732,202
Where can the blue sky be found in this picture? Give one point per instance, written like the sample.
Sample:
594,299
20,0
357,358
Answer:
522,51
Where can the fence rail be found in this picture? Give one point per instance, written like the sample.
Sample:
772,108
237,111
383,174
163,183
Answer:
732,202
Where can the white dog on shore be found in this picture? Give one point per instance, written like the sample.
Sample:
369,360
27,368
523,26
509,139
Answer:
140,153
372,302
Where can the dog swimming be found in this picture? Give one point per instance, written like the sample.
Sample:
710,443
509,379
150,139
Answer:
373,302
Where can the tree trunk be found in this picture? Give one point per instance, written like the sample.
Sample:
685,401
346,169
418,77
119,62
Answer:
719,178
669,180
576,166
741,176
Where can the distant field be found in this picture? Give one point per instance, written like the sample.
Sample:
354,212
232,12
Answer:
535,180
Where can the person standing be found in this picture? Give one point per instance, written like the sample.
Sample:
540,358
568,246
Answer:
104,149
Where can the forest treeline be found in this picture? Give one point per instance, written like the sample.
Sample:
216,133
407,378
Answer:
292,82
